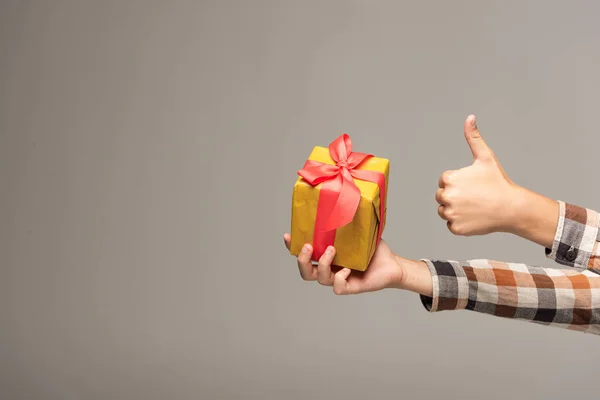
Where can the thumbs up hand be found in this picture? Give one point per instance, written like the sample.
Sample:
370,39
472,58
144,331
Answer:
481,198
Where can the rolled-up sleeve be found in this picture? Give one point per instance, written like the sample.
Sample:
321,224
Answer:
575,241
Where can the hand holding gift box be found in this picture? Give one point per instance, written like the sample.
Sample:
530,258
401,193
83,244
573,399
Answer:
339,200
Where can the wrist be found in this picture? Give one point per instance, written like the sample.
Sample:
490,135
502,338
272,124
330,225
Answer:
415,276
399,274
535,217
519,202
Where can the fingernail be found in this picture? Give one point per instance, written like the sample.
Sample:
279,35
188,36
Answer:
305,249
329,250
474,121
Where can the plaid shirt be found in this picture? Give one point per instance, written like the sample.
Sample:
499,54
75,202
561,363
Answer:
566,298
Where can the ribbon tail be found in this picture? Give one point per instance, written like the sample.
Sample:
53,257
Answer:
322,236
379,179
347,203
338,202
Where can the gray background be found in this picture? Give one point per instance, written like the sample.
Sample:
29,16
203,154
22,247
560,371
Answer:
148,151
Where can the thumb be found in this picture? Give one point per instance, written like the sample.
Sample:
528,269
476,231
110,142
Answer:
340,283
478,146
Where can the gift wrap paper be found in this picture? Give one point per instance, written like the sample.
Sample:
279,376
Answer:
355,243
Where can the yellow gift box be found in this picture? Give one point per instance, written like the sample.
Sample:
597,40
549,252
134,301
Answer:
356,241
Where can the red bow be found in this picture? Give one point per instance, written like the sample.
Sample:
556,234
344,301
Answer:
339,196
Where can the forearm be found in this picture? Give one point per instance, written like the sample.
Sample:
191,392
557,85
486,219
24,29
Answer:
569,233
535,217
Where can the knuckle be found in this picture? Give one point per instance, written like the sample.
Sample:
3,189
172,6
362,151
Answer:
323,279
438,195
444,197
450,226
320,278
456,229
442,215
449,213
447,177
304,275
450,195
303,259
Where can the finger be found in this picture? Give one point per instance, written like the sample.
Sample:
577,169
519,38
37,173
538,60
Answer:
441,213
439,197
456,229
305,265
324,274
340,283
286,239
445,179
479,148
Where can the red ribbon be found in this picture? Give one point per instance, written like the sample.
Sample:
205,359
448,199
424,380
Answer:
339,196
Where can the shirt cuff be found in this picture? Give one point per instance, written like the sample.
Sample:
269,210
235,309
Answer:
576,235
450,286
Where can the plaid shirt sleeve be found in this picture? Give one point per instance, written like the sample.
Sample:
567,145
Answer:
567,298
564,298
576,239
